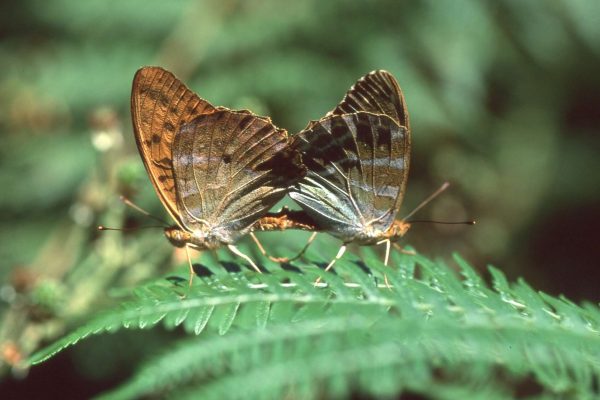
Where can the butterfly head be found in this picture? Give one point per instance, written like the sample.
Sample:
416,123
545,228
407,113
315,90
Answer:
199,240
397,230
374,233
177,236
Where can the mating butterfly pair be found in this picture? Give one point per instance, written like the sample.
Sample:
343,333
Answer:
219,171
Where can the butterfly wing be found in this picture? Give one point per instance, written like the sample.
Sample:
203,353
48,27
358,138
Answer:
231,167
160,104
357,168
377,92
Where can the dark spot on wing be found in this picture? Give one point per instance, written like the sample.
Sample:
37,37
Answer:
154,94
320,143
347,163
169,126
288,164
363,132
339,130
383,137
342,134
155,138
226,158
164,100
162,178
219,116
313,165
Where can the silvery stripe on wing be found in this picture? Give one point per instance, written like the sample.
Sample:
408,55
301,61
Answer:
382,191
317,180
198,160
384,162
333,197
334,223
325,216
335,213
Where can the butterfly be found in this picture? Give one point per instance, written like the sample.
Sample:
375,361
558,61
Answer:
216,171
357,157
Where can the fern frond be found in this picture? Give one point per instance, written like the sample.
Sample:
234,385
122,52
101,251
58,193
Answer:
429,332
333,355
276,297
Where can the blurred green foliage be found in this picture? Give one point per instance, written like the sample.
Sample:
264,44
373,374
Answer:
504,100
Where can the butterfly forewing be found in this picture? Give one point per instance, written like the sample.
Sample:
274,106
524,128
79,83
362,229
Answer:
225,173
160,104
377,92
357,169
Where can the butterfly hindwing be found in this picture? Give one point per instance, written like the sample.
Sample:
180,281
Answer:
357,169
230,168
160,104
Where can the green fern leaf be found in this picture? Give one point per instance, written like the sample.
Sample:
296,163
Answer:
198,318
436,335
225,317
331,355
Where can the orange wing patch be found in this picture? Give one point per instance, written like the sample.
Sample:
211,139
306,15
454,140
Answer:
160,104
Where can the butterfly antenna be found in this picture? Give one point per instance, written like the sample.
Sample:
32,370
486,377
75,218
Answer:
140,209
435,194
105,228
472,222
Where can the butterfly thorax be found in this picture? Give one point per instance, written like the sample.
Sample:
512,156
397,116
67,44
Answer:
200,239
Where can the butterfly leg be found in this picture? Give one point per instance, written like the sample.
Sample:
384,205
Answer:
237,252
189,258
330,265
308,243
264,252
407,252
386,259
283,259
259,245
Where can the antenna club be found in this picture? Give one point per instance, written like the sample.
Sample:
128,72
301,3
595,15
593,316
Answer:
106,228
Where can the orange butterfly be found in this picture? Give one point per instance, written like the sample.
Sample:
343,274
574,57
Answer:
216,171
